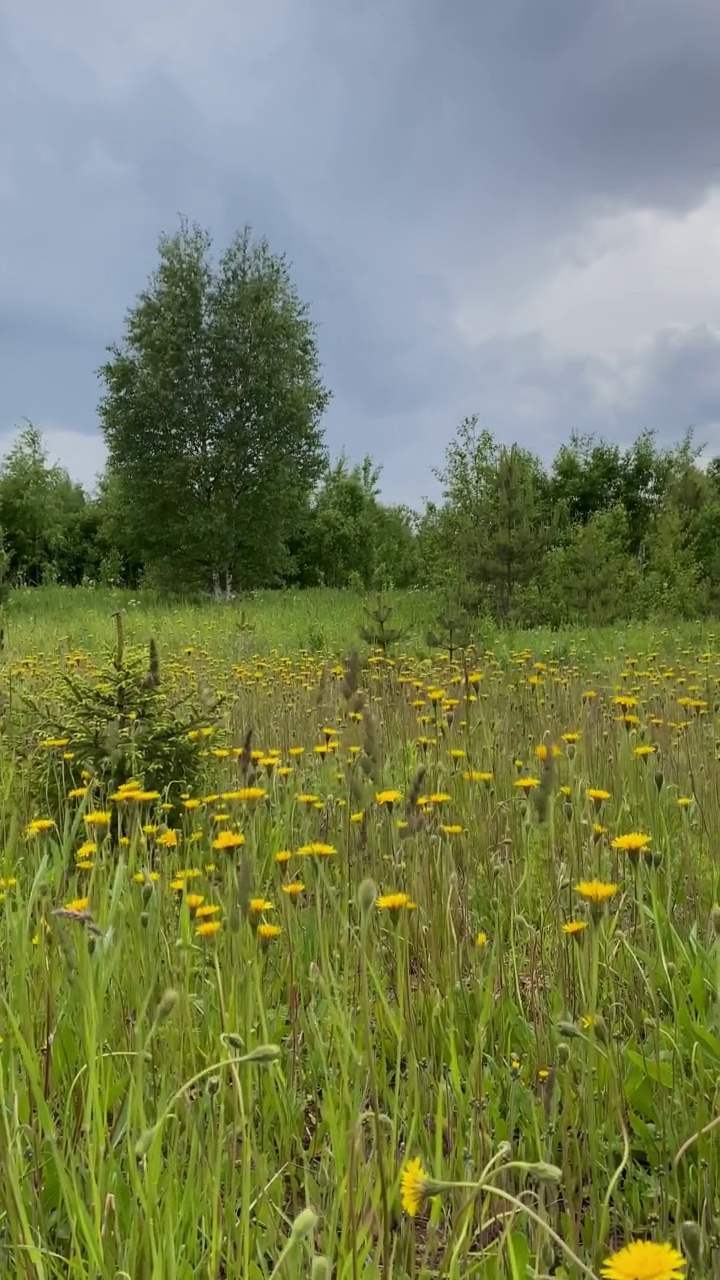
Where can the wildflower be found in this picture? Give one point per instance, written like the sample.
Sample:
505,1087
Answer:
268,932
574,927
147,877
294,889
526,784
307,799
571,739
543,752
452,830
597,795
438,797
481,941
257,905
644,750
168,840
296,751
207,928
395,903
388,797
38,826
413,1186
97,818
191,803
228,840
283,857
77,904
684,801
206,910
317,848
251,794
633,842
77,793
194,900
644,1260
48,743
357,817
596,891
472,775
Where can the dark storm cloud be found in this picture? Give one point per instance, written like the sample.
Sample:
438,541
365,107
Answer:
410,159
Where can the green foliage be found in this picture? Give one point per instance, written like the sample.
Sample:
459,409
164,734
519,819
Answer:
46,519
211,414
379,633
123,726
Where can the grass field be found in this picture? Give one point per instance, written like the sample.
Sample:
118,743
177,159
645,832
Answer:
420,979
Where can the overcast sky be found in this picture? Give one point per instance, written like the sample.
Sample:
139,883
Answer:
508,207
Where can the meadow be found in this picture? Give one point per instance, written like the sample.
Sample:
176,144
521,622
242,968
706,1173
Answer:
319,961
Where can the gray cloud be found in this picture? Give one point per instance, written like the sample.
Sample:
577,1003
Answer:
417,162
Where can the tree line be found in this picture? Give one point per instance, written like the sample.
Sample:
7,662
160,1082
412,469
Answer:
218,478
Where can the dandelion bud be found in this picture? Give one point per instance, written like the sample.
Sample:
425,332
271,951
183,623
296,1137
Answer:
320,1269
366,895
659,779
563,1054
264,1053
568,1030
715,920
144,919
691,1238
148,890
166,1006
233,1041
143,1144
545,1172
568,810
213,1086
305,1222
671,969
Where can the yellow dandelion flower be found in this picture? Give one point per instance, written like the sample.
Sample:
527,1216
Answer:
294,889
168,840
684,801
38,826
644,751
452,829
526,784
257,905
77,793
388,797
268,932
194,900
207,928
250,795
438,797
77,904
570,738
228,840
307,799
574,927
481,941
413,1186
394,902
474,775
207,910
644,1260
633,842
596,891
97,818
318,849
597,795
191,803
283,857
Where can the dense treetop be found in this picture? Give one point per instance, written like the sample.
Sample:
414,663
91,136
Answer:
218,478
